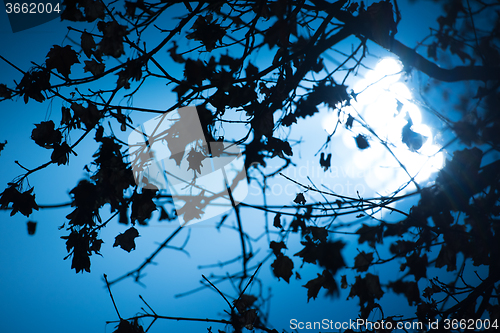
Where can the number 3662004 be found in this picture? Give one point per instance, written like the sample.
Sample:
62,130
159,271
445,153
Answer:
32,8
479,324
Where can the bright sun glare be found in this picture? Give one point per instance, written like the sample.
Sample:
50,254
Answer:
385,104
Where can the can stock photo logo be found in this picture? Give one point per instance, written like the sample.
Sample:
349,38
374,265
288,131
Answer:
171,152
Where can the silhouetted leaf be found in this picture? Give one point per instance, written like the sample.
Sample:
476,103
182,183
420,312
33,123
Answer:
33,83
409,289
458,180
5,92
60,155
143,205
88,44
349,121
300,199
89,115
207,32
325,280
325,162
277,247
31,227
326,254
96,246
21,202
244,302
45,135
361,142
367,289
193,208
362,261
343,282
412,139
164,215
277,221
61,59
417,265
128,327
282,267
447,257
112,42
279,148
313,286
318,233
127,240
94,67
82,10
370,234
195,159
174,55
195,72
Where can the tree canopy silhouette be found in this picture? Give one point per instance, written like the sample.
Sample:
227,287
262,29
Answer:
263,67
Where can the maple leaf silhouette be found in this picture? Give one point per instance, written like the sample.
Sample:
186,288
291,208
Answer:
194,159
313,287
326,254
367,289
363,261
193,208
61,59
112,42
127,240
45,135
282,267
207,32
94,67
24,203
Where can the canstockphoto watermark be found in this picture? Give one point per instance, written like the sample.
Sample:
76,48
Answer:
344,187
171,152
380,325
327,324
342,180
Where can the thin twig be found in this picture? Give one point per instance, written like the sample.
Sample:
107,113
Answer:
111,295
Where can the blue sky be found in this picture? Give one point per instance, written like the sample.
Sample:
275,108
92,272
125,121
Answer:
38,290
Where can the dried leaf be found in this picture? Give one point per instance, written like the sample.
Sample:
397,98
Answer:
61,59
362,142
282,267
300,199
127,240
363,261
